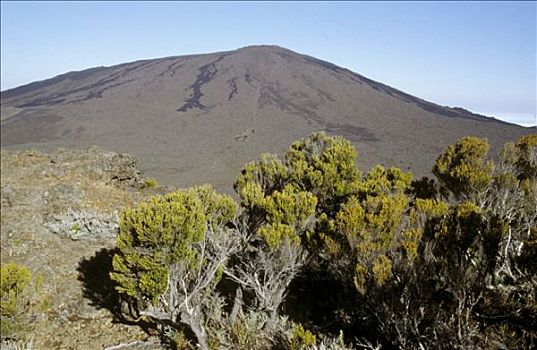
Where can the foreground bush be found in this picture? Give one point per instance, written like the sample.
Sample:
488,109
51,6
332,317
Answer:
172,252
21,302
445,263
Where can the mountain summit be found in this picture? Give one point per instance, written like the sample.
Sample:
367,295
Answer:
199,118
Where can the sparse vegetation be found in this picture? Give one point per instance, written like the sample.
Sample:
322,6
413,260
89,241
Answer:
44,195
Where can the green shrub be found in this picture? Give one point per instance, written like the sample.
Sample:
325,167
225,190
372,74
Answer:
318,166
21,300
150,182
301,338
75,227
172,252
463,168
423,264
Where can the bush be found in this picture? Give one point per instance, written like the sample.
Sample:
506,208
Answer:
172,251
21,301
301,338
433,263
463,168
150,182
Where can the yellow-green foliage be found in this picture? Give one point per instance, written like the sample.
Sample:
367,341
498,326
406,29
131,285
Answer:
351,221
462,226
431,207
397,240
373,228
380,181
251,194
162,231
76,227
320,164
276,233
383,215
425,212
371,223
181,341
360,278
355,219
301,338
526,159
284,212
382,269
463,168
317,173
317,176
376,211
466,209
378,220
290,206
411,241
21,300
269,173
150,182
519,168
323,165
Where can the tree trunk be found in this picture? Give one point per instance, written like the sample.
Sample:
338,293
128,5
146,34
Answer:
197,328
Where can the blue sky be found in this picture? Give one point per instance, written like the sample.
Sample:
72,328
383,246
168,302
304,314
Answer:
477,55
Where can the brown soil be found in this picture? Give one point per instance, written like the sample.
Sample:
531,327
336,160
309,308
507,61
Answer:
35,186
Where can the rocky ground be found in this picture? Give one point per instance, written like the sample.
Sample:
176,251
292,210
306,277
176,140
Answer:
59,218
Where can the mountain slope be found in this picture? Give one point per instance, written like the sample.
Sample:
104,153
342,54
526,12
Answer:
199,118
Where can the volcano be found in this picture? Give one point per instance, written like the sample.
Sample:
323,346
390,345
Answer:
199,118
